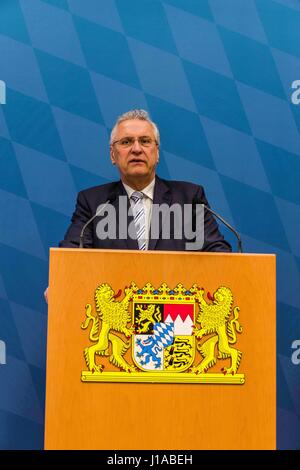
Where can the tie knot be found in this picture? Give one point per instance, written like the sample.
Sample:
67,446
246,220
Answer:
137,196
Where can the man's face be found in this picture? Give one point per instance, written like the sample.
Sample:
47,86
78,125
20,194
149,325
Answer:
136,163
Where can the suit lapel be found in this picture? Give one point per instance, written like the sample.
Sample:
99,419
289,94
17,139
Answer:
127,243
162,195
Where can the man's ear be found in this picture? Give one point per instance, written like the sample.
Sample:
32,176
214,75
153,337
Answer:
112,156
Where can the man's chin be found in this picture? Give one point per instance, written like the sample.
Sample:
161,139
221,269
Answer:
138,166
139,171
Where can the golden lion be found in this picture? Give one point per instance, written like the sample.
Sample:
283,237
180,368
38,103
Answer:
214,319
114,316
147,317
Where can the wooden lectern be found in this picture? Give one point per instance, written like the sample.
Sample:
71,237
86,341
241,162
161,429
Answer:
119,416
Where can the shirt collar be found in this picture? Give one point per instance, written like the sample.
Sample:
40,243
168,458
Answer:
148,191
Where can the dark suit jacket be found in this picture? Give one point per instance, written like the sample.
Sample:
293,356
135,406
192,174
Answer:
168,192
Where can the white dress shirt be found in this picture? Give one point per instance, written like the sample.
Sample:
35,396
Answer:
147,202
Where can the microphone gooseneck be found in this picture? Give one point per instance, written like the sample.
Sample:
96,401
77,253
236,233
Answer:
239,241
98,212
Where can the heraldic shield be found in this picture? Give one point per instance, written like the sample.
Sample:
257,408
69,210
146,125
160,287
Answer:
162,335
163,339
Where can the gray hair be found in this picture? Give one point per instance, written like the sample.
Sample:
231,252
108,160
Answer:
140,114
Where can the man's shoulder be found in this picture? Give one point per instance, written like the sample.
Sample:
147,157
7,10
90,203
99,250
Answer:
101,190
177,185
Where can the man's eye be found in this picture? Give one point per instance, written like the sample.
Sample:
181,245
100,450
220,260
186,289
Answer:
125,141
145,141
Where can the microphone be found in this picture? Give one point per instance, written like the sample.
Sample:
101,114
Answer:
239,241
99,211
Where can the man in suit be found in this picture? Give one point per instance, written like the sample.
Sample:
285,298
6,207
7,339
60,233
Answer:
134,150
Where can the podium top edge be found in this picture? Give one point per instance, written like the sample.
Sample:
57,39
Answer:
159,252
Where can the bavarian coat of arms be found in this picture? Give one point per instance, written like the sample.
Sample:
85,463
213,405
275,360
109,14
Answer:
162,335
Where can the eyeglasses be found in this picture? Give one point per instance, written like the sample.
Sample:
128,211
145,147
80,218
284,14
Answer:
129,141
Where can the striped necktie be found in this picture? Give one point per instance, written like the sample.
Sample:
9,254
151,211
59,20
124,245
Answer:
139,218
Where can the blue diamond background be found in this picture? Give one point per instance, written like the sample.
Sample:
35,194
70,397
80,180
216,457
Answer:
216,76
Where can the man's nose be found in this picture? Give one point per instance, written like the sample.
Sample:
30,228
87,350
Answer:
137,148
